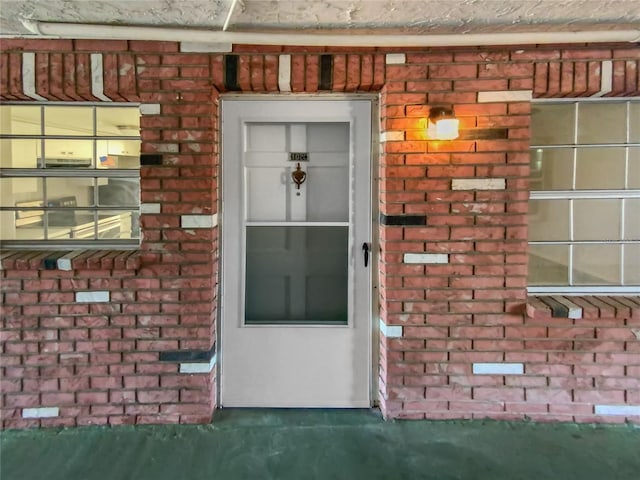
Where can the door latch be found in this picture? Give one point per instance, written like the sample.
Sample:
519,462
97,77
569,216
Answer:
365,250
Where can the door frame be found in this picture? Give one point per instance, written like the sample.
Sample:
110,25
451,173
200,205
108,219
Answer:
374,310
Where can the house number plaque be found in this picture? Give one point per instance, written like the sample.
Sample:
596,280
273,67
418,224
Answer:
298,156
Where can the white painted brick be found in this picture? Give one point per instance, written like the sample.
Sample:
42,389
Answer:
426,258
391,331
284,73
92,297
498,369
64,262
606,78
150,208
478,184
198,367
150,109
29,76
200,47
391,136
575,311
97,77
395,58
199,221
624,410
505,96
41,412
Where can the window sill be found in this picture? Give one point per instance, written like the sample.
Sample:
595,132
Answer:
70,260
586,306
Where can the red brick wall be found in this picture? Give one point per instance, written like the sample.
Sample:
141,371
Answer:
101,362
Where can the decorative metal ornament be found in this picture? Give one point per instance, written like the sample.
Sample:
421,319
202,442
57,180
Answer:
298,176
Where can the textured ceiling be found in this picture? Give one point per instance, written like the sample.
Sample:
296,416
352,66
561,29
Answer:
415,16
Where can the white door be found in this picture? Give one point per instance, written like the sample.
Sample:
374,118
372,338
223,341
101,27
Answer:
295,289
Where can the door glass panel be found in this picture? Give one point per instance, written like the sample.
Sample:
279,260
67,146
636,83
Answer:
296,275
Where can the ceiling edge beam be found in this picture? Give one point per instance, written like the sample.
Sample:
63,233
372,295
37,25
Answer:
122,32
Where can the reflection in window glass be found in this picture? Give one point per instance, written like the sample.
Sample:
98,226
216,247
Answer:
602,123
552,124
20,120
118,122
600,168
80,189
548,265
596,264
552,169
634,168
76,121
596,219
634,122
632,264
549,220
19,153
21,191
632,219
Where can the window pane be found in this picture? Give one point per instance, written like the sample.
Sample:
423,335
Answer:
602,123
600,168
596,264
634,122
79,190
68,120
634,167
117,121
116,225
596,219
548,264
20,120
549,220
118,154
552,169
632,219
120,192
552,124
632,264
15,191
19,153
68,153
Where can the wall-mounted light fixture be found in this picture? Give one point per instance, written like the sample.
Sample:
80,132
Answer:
442,125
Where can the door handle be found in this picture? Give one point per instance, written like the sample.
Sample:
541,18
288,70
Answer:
365,250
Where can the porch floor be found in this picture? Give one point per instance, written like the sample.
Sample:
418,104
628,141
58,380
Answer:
323,444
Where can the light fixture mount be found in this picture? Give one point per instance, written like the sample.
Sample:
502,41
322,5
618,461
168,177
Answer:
443,124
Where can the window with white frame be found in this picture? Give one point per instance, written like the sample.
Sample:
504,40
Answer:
584,210
69,175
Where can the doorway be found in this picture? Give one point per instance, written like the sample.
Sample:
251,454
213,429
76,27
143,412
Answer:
296,266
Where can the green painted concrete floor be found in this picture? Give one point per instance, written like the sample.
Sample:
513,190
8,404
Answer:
323,444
